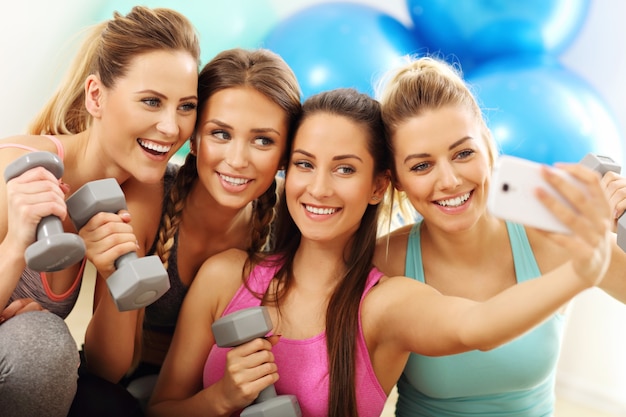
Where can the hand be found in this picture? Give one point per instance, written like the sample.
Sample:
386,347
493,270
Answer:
20,306
31,196
108,236
249,369
615,187
590,220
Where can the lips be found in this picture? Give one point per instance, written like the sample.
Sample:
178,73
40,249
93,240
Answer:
234,180
154,148
320,210
454,202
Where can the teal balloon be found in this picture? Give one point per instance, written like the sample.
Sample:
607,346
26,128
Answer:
474,31
221,24
340,44
539,110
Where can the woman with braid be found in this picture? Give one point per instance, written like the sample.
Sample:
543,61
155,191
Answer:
222,197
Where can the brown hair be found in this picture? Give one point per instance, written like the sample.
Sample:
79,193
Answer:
267,73
107,51
342,314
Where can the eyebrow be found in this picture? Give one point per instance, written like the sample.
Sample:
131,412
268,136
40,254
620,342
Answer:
255,130
156,93
335,158
426,155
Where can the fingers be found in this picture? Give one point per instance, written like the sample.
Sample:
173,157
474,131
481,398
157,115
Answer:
586,210
19,306
108,236
249,369
615,187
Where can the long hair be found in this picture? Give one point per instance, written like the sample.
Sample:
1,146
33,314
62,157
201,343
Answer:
108,50
265,72
342,315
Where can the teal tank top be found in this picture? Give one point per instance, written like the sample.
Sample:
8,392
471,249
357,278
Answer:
513,380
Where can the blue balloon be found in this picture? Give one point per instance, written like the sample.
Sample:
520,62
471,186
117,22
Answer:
341,44
539,110
221,24
473,31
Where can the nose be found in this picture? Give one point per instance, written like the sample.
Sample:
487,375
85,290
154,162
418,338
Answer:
237,153
448,177
168,123
320,185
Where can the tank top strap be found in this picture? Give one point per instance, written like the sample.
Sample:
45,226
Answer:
57,143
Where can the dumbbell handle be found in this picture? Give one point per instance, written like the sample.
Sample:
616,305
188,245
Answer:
124,259
48,225
53,249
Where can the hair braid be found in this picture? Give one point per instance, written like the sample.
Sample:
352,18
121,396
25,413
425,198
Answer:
262,219
175,202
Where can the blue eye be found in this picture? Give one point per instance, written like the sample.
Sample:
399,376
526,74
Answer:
152,101
422,166
221,134
188,107
346,170
263,141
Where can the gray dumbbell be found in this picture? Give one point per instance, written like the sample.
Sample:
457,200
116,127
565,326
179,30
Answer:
137,282
54,249
604,164
241,327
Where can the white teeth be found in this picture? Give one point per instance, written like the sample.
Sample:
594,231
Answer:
155,147
233,180
454,202
316,210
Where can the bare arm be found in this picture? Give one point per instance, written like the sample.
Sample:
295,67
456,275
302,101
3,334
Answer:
111,336
179,390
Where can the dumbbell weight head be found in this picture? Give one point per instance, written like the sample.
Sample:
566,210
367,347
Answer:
137,282
603,164
241,327
54,249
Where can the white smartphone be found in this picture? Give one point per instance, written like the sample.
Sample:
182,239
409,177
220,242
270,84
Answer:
512,194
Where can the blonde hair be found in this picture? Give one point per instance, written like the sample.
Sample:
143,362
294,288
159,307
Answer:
107,51
421,85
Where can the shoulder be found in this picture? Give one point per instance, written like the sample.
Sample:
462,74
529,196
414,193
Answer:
13,147
547,252
223,270
390,255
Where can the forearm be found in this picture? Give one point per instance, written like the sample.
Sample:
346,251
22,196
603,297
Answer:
12,265
110,340
519,308
209,402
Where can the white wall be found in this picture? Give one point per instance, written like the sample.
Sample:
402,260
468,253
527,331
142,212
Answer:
592,369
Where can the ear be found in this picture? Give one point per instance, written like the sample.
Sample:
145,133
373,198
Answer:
94,95
381,183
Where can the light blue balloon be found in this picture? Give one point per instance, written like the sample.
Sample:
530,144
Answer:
537,109
340,44
473,31
221,24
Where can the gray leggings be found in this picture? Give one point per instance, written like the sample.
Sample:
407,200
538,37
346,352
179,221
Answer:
38,366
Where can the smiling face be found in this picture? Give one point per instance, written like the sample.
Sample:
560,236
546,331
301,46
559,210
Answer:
442,164
330,179
240,144
148,113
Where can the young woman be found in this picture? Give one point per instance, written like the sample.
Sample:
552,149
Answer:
343,330
443,155
222,197
128,103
